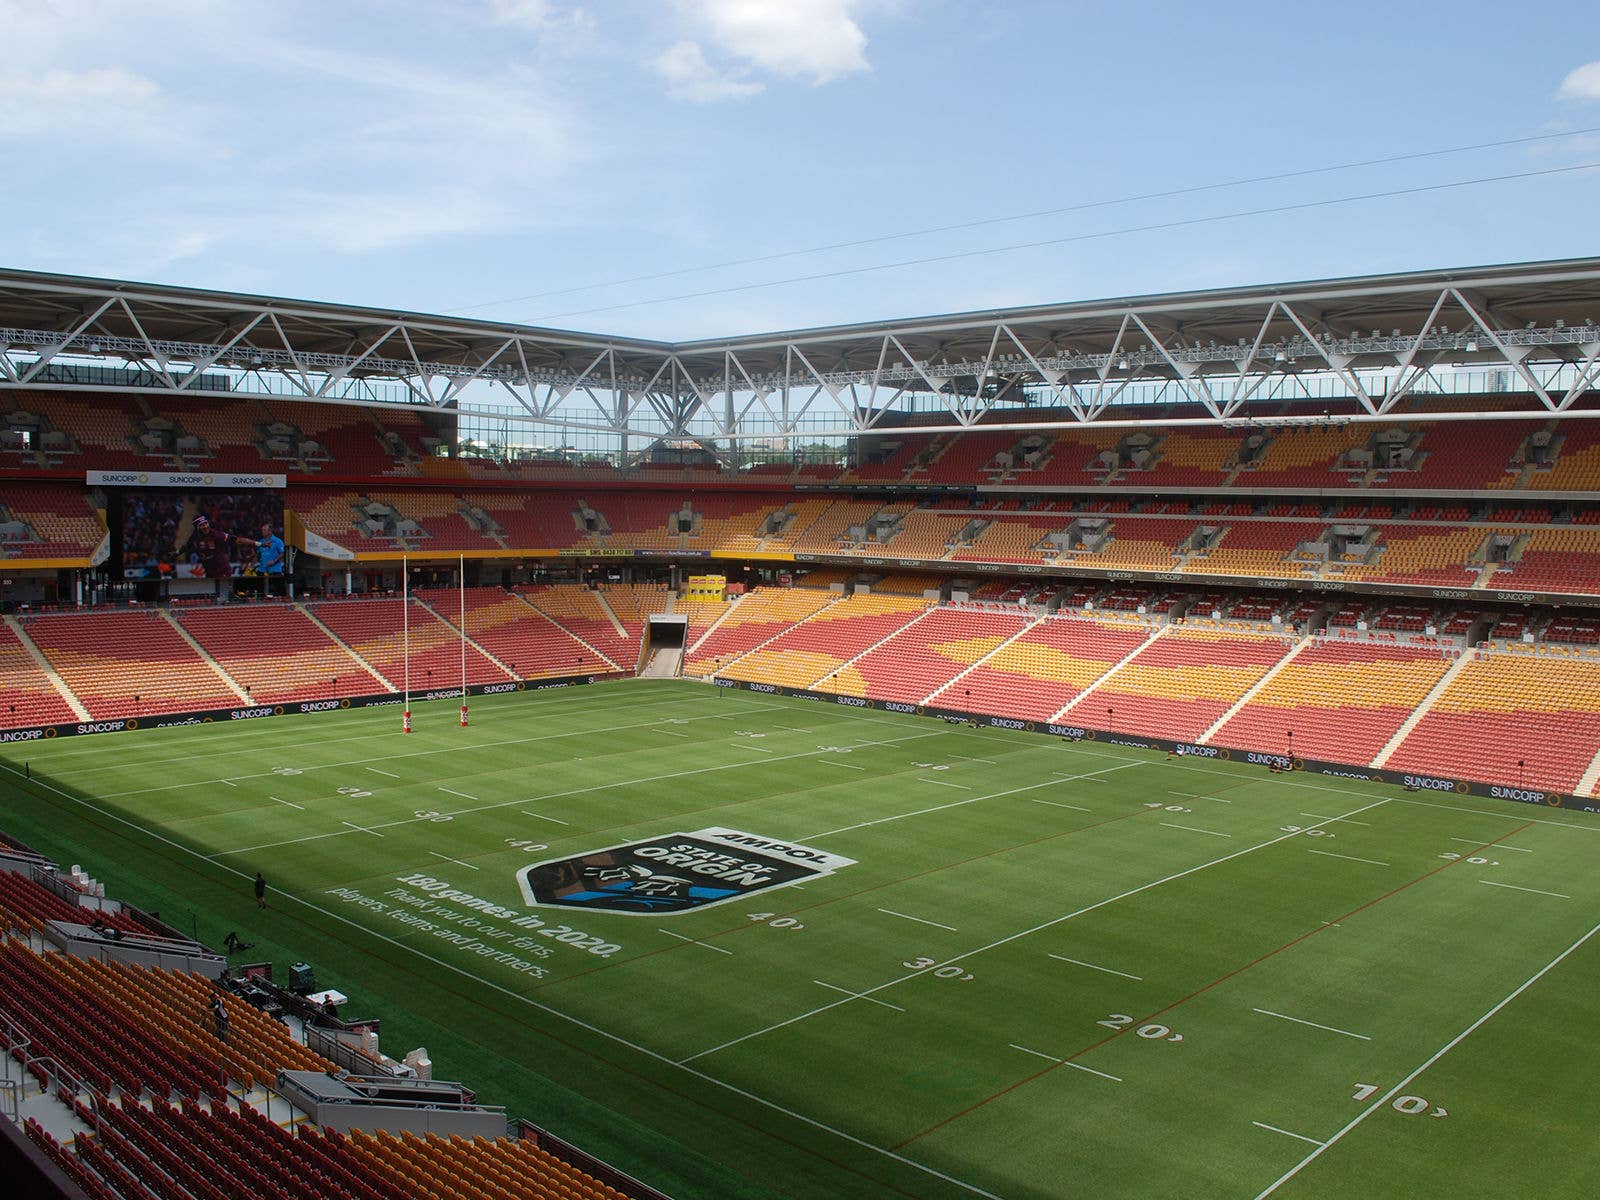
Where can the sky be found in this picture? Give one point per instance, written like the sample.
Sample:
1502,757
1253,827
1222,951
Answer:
532,160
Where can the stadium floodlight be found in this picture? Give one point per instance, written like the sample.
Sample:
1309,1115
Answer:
1122,363
1280,356
94,347
1472,345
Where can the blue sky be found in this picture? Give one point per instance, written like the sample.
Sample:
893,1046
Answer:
470,155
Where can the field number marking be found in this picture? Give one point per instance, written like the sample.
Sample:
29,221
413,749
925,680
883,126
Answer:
1477,842
286,770
1153,1032
1411,1106
948,971
428,814
776,922
1178,808
1309,832
1476,860
525,844
354,793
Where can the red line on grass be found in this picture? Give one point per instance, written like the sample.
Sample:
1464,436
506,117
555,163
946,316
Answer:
971,1108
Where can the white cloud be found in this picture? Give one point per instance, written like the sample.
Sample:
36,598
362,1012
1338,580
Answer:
1582,84
812,41
690,77
815,40
107,99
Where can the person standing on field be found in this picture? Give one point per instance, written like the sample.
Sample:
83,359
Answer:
261,890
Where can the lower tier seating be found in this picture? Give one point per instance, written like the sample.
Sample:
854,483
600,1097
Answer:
1338,701
1511,718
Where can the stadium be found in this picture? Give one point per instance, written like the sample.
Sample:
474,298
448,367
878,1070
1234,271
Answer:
1156,743
797,600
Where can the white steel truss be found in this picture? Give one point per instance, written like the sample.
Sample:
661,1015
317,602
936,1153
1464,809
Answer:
1227,355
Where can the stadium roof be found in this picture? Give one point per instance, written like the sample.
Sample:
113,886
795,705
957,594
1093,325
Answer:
1217,349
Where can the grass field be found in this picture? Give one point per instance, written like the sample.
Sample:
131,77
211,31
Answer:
1052,970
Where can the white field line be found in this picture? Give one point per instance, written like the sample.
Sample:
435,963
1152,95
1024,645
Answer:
1078,962
1058,804
463,795
684,938
1032,929
672,733
835,763
1196,829
942,783
1274,1129
229,782
457,861
361,762
1498,846
918,920
520,998
390,774
542,817
357,828
290,803
871,999
746,744
1352,858
1338,791
968,758
1267,1012
1323,817
1400,1087
263,731
598,787
1063,1062
1515,888
1028,787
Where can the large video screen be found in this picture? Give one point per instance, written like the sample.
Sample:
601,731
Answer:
200,535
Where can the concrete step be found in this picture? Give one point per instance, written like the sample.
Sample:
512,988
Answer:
1112,670
49,670
233,684
1250,694
950,683
1410,722
345,646
1589,785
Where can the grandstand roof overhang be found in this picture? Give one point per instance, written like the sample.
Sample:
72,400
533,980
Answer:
1225,354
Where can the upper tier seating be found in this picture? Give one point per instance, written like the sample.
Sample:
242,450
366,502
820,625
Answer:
1339,701
1511,718
278,654
128,664
47,521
